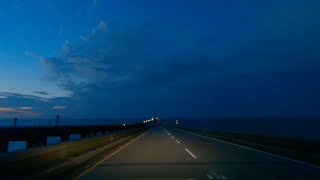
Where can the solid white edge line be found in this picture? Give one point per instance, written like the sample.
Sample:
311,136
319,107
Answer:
209,176
215,174
195,157
223,177
101,161
297,161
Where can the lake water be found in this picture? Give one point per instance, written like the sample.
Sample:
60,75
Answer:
301,128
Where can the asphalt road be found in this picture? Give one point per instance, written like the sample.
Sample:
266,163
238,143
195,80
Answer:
167,154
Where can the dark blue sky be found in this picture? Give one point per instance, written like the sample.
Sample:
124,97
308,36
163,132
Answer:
124,58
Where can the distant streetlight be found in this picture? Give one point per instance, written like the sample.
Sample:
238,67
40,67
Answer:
57,120
15,122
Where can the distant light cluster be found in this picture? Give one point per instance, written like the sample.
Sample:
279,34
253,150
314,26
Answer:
152,119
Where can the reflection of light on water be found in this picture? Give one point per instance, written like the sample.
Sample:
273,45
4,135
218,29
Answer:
306,128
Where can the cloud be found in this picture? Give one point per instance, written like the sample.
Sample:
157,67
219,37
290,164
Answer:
26,108
115,63
196,68
42,93
100,27
59,107
20,105
115,57
95,2
7,110
32,54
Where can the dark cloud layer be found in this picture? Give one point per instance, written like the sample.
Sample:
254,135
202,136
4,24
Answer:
193,69
42,93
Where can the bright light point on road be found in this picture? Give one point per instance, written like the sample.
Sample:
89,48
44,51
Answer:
124,124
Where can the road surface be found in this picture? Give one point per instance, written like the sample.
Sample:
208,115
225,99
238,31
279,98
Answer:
162,153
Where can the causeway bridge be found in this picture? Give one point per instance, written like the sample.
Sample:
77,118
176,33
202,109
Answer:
37,136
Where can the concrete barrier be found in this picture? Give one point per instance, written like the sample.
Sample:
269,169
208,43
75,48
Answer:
54,159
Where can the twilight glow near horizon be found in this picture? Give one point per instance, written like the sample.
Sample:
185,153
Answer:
124,58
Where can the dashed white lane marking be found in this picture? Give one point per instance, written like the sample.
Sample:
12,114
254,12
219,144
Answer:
209,176
275,155
178,142
195,157
223,177
172,137
166,131
217,176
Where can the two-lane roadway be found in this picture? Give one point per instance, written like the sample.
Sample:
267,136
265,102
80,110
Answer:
167,154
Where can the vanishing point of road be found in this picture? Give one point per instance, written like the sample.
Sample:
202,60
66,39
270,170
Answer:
162,153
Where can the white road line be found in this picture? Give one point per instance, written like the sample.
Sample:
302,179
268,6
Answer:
209,176
215,175
195,157
297,161
101,161
172,137
178,142
166,131
223,177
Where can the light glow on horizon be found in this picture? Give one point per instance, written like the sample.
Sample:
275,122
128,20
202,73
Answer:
59,107
7,110
26,108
